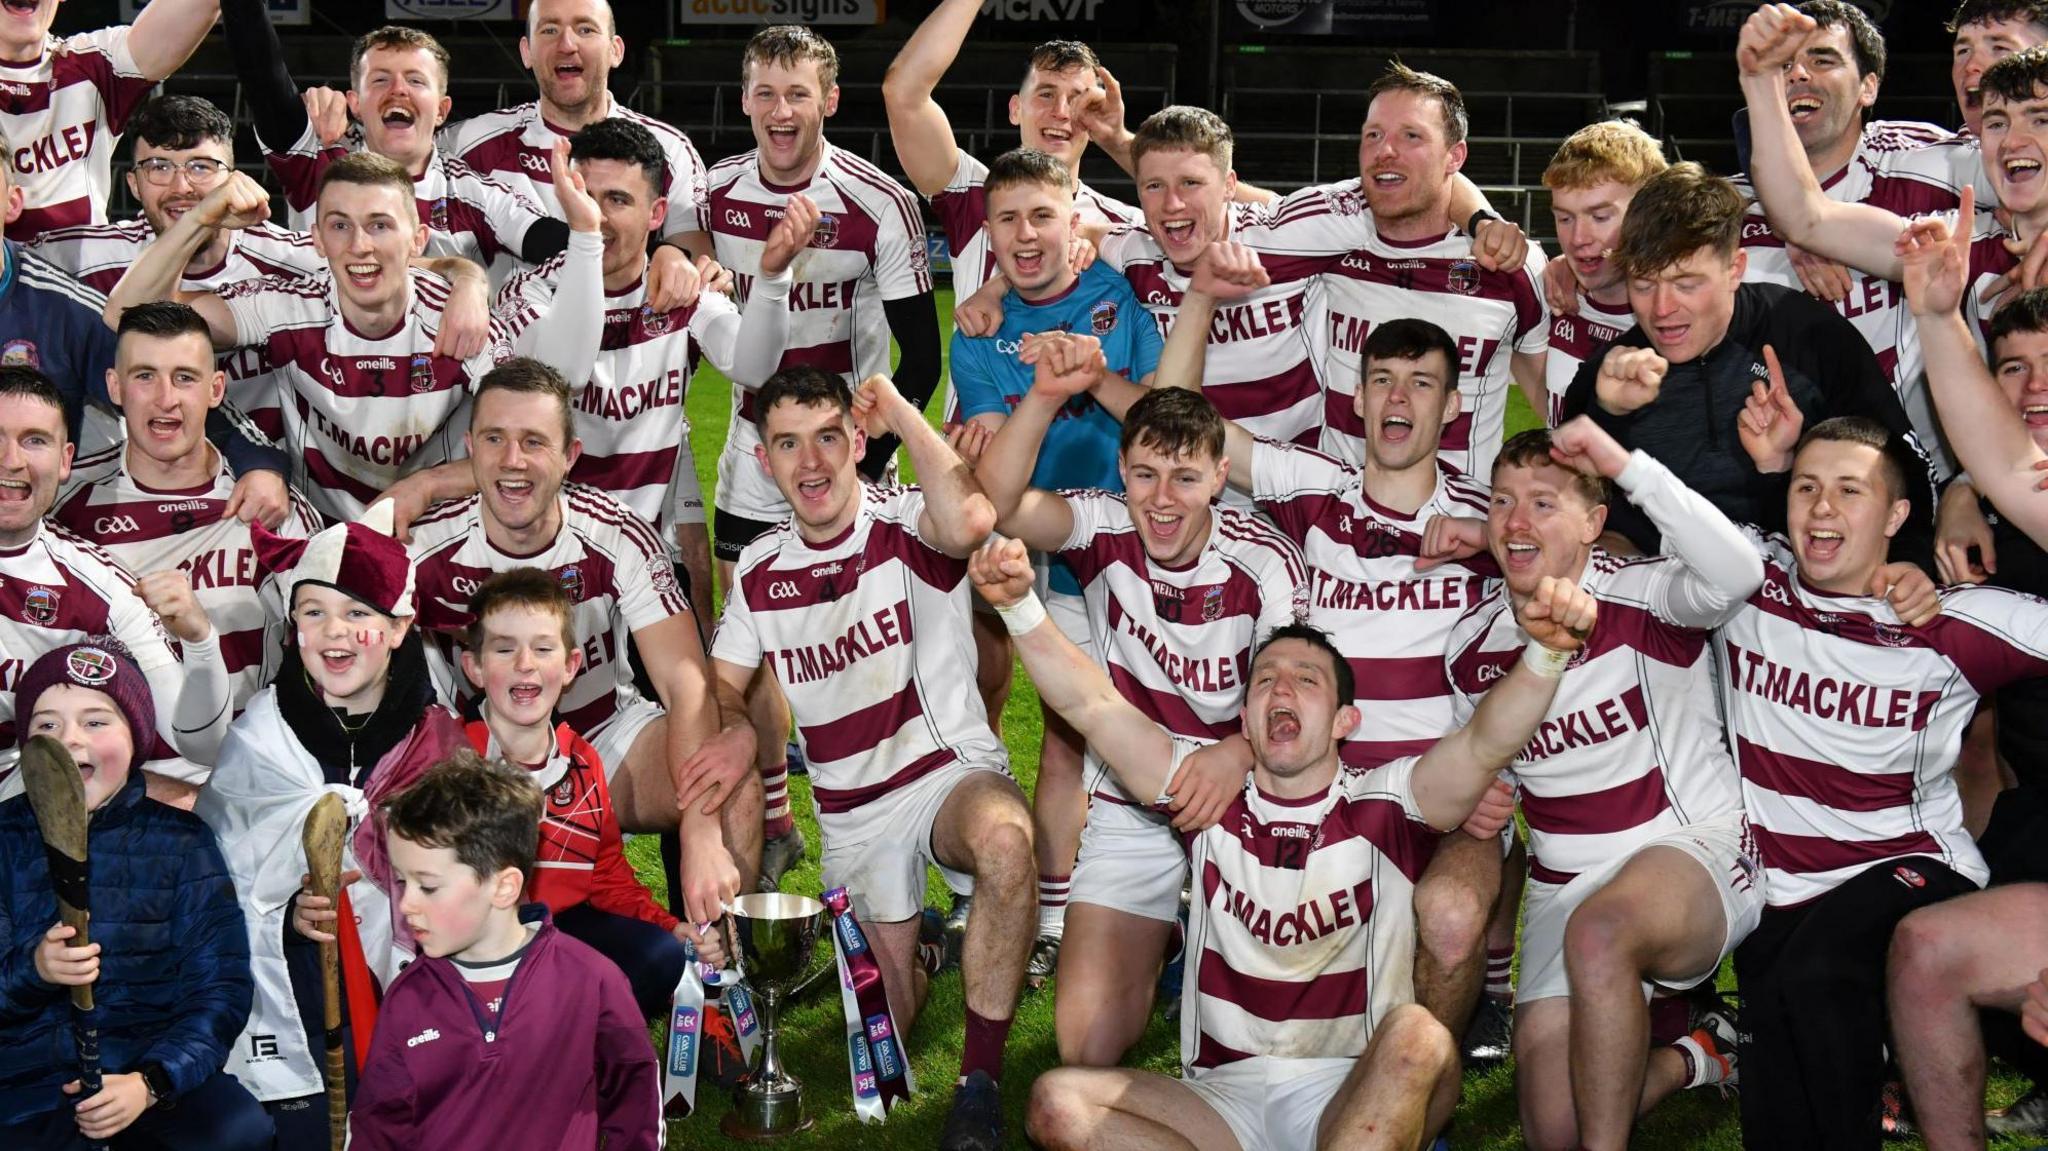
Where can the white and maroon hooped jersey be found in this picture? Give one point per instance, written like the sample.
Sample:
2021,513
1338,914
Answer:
1302,932
1877,307
467,213
1262,370
1491,315
962,208
58,589
1574,340
870,637
630,413
1631,747
1847,723
187,530
99,253
515,146
359,413
62,115
1953,162
1177,642
611,564
1390,621
869,247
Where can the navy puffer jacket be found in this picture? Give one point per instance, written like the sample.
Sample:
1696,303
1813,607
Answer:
174,982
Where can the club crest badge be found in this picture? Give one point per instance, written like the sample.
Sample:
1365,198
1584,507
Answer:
654,323
39,606
827,233
572,583
90,667
1102,317
1463,277
1212,604
437,215
20,354
422,377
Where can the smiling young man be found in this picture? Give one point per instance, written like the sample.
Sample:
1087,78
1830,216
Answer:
857,606
1592,177
571,47
56,589
159,502
1298,1029
1032,210
1175,595
183,149
369,398
1846,724
398,96
1060,79
521,444
864,280
69,101
1642,875
1676,384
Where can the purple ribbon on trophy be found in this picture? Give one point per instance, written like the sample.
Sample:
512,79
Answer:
875,1055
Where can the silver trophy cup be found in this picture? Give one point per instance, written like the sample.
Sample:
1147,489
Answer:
776,935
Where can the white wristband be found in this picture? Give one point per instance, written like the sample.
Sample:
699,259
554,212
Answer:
1022,616
1544,661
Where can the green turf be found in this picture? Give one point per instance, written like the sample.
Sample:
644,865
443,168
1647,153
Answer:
813,1041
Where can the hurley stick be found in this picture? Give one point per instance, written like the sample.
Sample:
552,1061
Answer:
326,826
57,793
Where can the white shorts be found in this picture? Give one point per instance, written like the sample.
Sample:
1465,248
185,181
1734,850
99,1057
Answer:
613,738
1271,1103
879,850
745,489
1130,861
1722,847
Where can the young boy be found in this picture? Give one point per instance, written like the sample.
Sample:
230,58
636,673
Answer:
520,652
452,1048
352,712
164,916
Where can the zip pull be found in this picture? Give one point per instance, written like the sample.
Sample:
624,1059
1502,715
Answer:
490,1037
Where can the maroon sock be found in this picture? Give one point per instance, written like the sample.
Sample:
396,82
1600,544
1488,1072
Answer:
984,1047
1670,1019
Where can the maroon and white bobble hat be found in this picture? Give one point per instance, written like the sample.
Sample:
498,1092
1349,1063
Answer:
361,560
102,665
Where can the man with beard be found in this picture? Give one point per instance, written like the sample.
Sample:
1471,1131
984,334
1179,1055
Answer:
571,47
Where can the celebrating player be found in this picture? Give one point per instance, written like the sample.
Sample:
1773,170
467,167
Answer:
521,443
58,589
1592,177
865,280
1642,875
70,99
1677,383
1298,1030
159,502
1176,595
858,607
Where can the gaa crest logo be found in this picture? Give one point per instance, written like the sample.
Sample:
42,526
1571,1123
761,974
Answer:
1102,317
827,233
572,583
20,354
39,606
422,378
90,667
1463,277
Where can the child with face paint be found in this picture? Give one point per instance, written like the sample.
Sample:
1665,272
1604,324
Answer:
168,963
351,711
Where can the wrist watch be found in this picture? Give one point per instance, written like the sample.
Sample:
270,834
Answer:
156,1082
1472,224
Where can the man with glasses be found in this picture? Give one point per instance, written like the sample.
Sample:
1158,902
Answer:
184,148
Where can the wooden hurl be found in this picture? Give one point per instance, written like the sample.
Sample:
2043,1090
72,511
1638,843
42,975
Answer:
326,827
57,793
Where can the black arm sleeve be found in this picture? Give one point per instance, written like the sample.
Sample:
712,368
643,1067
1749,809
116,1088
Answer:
914,322
545,239
244,450
272,94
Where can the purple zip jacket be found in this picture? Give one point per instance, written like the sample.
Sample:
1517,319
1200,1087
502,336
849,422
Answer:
440,1077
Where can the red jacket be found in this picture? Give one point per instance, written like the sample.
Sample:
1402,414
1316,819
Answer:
582,855
568,1064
